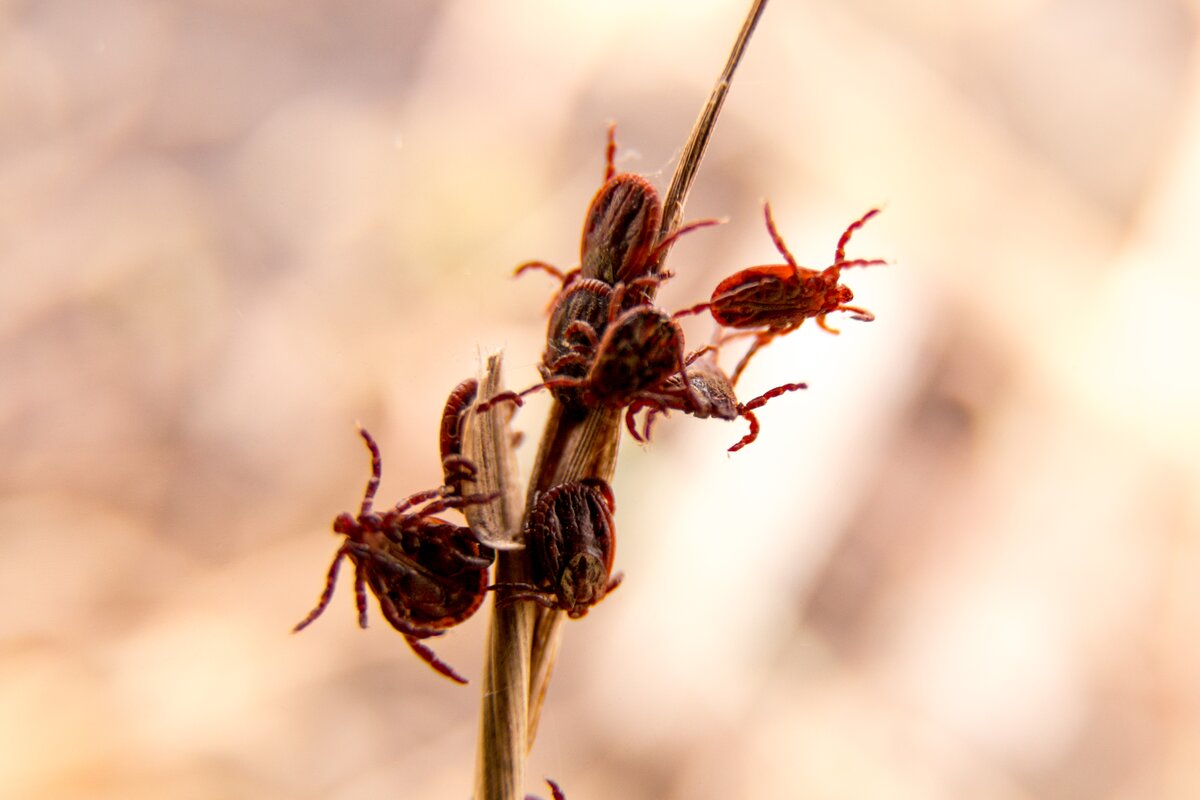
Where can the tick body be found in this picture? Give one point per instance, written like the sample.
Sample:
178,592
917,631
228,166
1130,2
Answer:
620,231
570,536
606,361
775,299
427,574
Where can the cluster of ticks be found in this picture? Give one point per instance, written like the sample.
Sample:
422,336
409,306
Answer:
608,346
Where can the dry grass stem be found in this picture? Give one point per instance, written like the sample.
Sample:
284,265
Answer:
577,443
503,735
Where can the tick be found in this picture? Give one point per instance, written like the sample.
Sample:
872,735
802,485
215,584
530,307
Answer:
711,395
619,242
571,538
611,365
427,574
773,300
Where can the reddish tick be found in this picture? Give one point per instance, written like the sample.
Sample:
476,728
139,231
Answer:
774,299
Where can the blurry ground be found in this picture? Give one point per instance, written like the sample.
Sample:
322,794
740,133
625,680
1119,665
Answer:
962,564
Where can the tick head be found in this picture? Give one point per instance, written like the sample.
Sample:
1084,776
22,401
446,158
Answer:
345,524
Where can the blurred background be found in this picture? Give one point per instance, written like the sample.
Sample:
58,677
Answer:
964,563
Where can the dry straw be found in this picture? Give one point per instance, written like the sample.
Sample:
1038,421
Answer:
523,638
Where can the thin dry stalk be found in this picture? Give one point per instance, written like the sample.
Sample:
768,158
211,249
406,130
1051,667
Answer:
500,757
524,639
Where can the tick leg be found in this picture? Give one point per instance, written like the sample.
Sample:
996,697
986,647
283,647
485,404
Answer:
457,469
860,314
515,397
691,359
746,411
859,262
639,288
417,499
326,593
432,660
543,266
749,437
554,790
729,336
506,397
610,153
376,472
760,341
630,422
523,591
651,415
823,325
762,399
566,278
360,592
661,247
457,501
653,408
696,309
840,254
584,329
776,238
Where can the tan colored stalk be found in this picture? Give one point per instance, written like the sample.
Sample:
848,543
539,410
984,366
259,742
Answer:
523,639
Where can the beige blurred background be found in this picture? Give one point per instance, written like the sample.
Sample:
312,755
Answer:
962,564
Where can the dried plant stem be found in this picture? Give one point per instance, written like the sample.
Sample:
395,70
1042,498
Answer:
503,734
697,143
523,638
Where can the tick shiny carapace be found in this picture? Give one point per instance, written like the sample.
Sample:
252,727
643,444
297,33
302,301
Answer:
571,538
620,232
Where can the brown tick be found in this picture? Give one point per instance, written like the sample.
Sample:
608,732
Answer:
774,299
570,536
427,574
620,229
612,364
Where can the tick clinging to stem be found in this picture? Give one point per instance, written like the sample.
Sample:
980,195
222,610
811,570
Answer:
619,242
601,352
774,299
571,537
427,574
